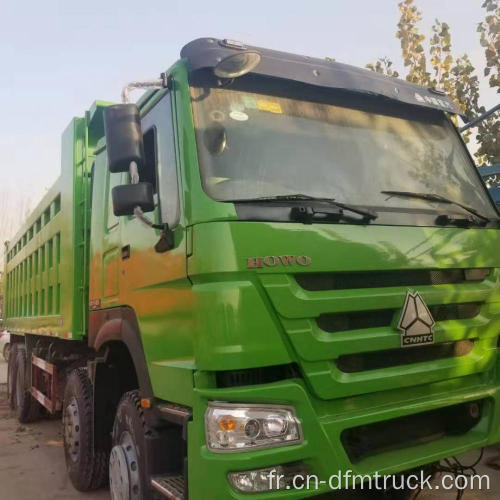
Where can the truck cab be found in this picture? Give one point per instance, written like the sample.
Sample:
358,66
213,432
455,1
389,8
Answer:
311,276
293,270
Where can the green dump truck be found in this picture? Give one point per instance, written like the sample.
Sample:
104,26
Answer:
270,265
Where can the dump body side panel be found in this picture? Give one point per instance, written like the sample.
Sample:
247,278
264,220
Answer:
46,263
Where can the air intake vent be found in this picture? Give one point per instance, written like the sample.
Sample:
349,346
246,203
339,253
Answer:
341,322
366,361
379,437
315,282
253,376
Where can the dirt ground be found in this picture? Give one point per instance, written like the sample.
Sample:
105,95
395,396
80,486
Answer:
32,462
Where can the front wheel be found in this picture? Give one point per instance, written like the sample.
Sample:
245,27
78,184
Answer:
128,476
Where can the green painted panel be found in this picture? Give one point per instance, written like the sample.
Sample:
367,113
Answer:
173,380
47,260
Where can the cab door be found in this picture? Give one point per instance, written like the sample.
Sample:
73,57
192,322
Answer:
154,283
105,237
111,245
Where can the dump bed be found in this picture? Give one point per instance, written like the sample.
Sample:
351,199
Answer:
46,263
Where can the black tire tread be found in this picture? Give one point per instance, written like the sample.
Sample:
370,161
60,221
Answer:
132,399
30,409
93,473
11,377
135,399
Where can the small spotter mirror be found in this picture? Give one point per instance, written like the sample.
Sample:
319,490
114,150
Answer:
215,138
238,64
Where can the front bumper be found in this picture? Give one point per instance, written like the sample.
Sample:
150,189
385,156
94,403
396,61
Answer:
322,451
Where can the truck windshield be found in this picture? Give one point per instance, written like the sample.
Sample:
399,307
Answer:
254,145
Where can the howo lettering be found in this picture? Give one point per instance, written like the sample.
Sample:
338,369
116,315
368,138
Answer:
212,288
275,260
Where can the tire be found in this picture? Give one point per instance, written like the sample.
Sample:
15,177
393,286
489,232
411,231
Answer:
129,451
6,352
11,377
87,464
27,408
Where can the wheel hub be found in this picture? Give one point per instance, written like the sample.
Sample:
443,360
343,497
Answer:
124,479
72,429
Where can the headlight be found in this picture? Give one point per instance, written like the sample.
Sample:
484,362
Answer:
234,427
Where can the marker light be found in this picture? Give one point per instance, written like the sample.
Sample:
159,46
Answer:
233,427
279,477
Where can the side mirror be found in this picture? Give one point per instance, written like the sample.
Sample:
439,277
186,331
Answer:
124,144
129,196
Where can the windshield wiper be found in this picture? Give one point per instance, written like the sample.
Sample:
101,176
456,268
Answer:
306,212
445,219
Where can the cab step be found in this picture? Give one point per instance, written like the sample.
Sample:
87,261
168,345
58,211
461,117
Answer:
170,486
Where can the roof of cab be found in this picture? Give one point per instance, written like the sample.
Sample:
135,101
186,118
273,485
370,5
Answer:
207,52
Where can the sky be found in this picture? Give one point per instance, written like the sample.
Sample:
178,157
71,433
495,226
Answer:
57,57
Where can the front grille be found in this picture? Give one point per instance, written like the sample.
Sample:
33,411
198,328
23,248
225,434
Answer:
341,322
253,376
361,362
372,439
449,312
315,282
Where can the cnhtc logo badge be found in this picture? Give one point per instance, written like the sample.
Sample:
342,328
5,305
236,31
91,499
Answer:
416,322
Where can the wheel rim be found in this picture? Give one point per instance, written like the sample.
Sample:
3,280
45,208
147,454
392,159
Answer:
72,430
124,479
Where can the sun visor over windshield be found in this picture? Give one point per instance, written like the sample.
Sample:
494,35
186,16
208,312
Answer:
207,52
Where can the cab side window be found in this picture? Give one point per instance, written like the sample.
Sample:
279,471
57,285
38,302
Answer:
161,165
148,173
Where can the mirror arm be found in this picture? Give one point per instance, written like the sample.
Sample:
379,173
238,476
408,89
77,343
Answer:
134,179
146,220
159,83
166,241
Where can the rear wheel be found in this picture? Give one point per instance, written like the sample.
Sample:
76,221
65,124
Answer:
27,408
11,377
86,463
128,476
6,352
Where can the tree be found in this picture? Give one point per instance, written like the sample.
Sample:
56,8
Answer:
488,132
383,65
466,90
411,43
489,31
455,75
441,58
